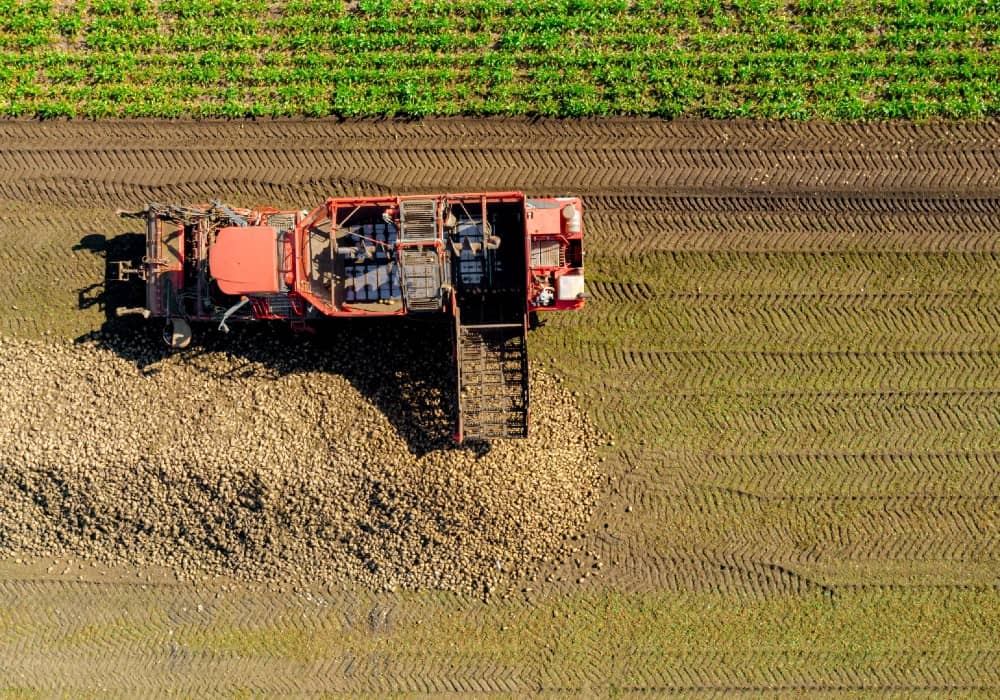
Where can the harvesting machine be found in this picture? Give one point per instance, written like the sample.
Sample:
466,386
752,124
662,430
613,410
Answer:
487,260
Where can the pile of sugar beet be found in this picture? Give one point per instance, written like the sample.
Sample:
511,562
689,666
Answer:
282,458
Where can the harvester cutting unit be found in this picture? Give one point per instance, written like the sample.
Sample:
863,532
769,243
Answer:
489,260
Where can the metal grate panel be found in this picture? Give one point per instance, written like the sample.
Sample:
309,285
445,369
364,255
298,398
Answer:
282,222
418,219
421,279
546,254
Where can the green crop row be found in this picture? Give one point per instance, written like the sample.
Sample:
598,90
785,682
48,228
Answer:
841,59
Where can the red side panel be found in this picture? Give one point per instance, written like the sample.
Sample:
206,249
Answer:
541,221
165,251
555,257
244,260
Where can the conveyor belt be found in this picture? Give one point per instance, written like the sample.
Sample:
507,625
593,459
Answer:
493,381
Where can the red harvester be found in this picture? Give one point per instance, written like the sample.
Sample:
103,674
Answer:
487,259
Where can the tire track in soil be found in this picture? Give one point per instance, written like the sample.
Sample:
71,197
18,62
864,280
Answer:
715,273
797,532
621,293
850,370
845,475
585,157
833,422
911,374
702,551
821,221
717,233
873,327
688,168
689,134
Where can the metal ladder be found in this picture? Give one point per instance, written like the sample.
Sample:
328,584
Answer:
492,381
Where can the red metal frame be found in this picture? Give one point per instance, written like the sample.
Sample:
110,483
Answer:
294,259
565,239
482,285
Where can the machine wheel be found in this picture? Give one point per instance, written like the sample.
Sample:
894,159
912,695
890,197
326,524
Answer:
177,333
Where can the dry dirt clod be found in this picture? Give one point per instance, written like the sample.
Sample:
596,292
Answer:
212,463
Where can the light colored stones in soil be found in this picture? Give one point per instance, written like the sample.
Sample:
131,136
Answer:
217,463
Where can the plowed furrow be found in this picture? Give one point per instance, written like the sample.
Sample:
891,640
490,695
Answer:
611,293
760,576
832,202
908,528
546,163
241,191
795,274
837,476
742,370
874,326
631,235
837,170
463,175
835,374
793,341
696,134
840,423
898,672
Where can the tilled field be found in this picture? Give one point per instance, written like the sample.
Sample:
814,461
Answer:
794,343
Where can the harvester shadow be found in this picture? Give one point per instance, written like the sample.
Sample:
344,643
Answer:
107,297
402,366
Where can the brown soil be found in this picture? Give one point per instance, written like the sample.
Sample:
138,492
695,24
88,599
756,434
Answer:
794,340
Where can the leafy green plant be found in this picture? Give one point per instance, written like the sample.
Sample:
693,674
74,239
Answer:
839,59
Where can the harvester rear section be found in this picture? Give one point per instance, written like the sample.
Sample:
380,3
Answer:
488,260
